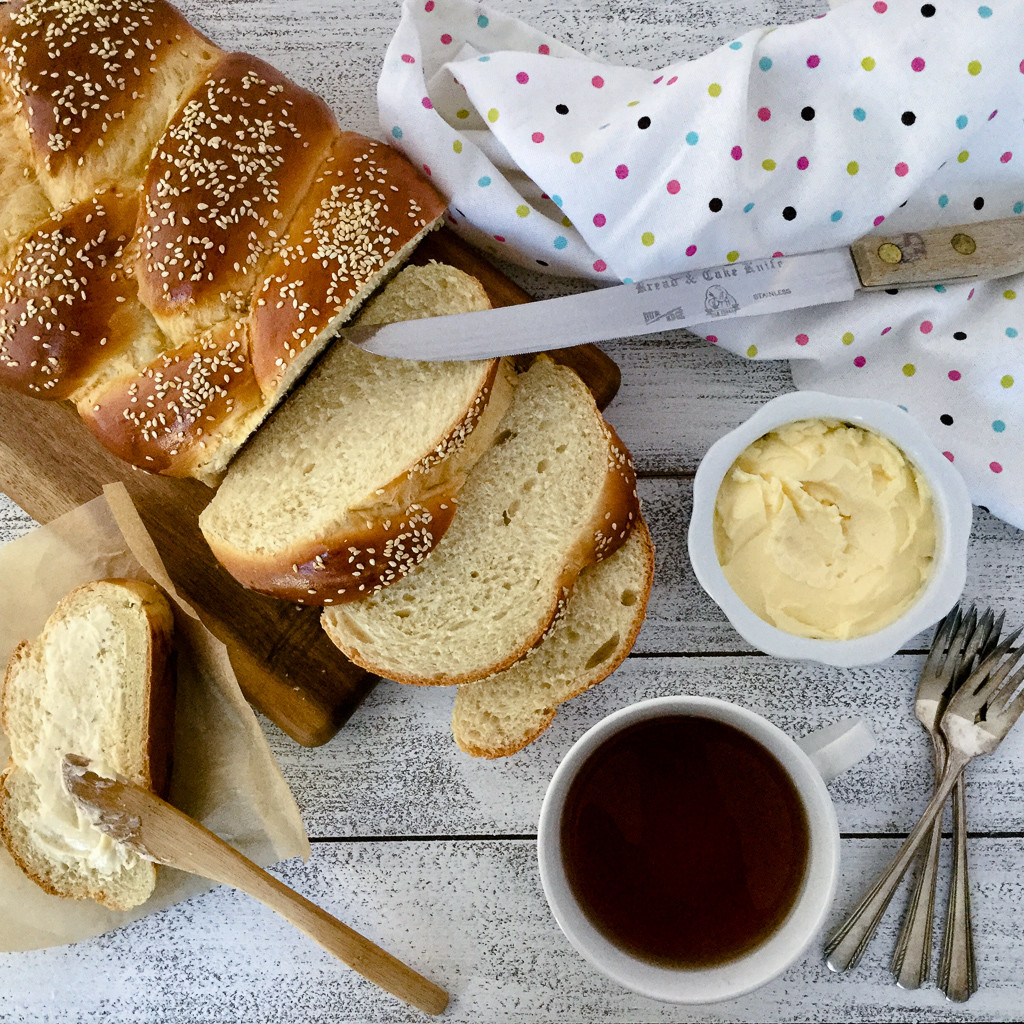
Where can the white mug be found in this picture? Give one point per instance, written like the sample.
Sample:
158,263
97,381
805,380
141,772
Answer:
809,763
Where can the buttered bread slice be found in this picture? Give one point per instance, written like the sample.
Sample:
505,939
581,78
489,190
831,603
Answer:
356,477
96,682
554,493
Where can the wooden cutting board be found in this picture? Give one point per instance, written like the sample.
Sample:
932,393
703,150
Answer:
286,666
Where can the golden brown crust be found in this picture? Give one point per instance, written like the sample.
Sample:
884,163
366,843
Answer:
366,205
62,295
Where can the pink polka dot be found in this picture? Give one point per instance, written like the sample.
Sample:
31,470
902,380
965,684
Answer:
446,39
672,80
713,338
499,238
803,163
522,78
544,48
878,220
600,220
657,80
926,327
778,254
736,153
1021,66
917,64
970,295
949,455
621,172
428,6
885,331
813,61
600,266
691,250
1006,157
859,361
597,82
426,102
953,374
408,58
901,170
995,467
537,136
426,170
993,114
802,339
764,113
880,8
673,187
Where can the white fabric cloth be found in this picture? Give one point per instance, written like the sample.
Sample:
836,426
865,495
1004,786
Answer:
788,139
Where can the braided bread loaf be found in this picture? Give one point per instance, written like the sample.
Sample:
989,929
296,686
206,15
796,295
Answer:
181,229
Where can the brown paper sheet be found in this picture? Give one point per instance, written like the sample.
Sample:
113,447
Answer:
224,773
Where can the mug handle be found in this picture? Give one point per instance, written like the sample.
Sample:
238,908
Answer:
837,747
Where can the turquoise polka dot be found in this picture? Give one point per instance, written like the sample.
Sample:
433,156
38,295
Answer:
859,113
940,288
557,200
998,426
627,280
961,121
984,12
736,45
837,215
484,59
396,132
765,63
692,138
483,21
1011,332
561,242
943,200
1018,207
484,181
748,207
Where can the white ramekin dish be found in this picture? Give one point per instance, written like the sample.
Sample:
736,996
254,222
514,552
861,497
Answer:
951,503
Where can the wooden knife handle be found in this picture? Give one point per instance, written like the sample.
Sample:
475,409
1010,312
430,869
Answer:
990,249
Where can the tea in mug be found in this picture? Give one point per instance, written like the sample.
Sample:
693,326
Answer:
684,841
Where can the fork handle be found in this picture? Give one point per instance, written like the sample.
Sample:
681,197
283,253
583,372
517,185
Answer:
911,961
957,970
848,942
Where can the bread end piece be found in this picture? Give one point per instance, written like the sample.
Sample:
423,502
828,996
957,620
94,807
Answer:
98,681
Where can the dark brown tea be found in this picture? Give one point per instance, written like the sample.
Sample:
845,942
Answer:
684,841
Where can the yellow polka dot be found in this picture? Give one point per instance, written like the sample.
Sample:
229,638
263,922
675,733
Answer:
1009,294
909,370
852,167
752,351
632,103
848,338
576,157
647,238
963,156
457,146
714,89
733,256
522,211
566,223
768,165
868,63
492,114
1007,381
462,114
974,68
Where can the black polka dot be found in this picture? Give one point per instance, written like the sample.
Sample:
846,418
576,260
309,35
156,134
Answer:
960,335
946,419
908,117
979,202
892,291
715,205
789,213
807,113
561,108
543,263
928,10
644,122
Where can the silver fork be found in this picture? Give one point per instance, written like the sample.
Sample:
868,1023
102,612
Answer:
959,640
975,721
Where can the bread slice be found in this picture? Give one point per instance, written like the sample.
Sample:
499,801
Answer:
500,715
555,492
356,477
98,682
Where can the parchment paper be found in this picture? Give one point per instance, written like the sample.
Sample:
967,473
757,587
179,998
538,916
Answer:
224,774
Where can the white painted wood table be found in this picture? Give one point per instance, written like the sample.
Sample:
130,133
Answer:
431,852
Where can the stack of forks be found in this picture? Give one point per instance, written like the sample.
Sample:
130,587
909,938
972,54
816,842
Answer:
967,700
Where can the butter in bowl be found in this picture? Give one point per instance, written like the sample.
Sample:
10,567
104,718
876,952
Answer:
829,528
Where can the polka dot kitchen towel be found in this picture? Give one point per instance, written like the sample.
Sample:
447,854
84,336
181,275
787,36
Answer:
784,140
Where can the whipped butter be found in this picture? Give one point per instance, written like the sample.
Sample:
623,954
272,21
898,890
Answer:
825,529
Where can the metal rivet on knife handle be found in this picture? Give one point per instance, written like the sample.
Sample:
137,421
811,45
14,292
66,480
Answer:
990,249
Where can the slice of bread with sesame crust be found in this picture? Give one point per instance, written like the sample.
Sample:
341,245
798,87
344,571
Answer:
554,493
356,477
98,681
501,714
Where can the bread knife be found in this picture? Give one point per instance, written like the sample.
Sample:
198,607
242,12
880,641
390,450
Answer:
701,297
